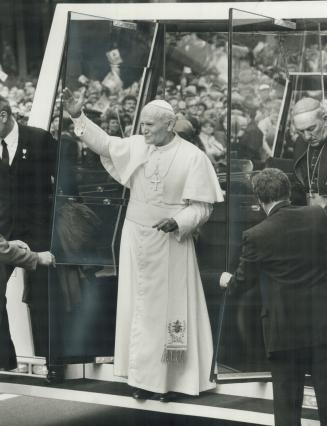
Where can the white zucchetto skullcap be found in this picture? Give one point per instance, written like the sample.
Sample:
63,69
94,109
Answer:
159,103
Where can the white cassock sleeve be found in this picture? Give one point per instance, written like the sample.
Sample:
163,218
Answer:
92,135
190,218
115,152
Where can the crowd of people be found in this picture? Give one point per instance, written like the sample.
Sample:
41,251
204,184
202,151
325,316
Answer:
20,94
196,87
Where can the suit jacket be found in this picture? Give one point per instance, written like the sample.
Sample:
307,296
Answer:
31,190
287,251
10,254
34,164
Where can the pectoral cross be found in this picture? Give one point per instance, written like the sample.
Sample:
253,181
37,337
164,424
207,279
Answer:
155,180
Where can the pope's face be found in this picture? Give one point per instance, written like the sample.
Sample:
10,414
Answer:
311,126
155,127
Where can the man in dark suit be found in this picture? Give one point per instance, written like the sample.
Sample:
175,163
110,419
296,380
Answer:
287,254
28,159
14,253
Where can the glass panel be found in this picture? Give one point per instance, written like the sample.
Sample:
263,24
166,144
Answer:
105,61
83,229
262,53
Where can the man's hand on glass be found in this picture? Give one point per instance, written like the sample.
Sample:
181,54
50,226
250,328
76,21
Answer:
224,279
166,225
71,104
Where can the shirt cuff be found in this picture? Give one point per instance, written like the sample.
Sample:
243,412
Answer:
79,124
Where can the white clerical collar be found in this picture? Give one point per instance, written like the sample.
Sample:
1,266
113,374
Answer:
166,147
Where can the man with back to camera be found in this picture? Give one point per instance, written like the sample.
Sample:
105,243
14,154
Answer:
28,159
163,336
287,254
310,154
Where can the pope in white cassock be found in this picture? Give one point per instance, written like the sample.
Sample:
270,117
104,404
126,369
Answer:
163,335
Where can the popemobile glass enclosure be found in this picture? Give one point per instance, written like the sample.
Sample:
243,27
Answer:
232,92
232,82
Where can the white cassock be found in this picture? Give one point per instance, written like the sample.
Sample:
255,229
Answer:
159,278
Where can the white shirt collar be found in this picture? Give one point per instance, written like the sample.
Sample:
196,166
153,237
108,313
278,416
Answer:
275,204
12,142
12,138
270,209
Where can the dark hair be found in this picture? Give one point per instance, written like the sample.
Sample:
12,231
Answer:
204,105
126,119
112,116
129,98
271,185
4,105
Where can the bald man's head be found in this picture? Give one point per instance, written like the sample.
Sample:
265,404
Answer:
309,121
306,105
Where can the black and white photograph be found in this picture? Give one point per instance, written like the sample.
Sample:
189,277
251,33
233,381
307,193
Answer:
163,213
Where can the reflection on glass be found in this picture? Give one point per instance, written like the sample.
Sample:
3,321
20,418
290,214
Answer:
82,315
82,230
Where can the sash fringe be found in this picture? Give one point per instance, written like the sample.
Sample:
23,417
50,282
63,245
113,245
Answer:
175,356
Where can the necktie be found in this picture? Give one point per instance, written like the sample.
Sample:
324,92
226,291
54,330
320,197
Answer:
5,153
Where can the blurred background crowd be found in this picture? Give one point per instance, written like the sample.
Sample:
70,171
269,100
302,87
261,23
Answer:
195,84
